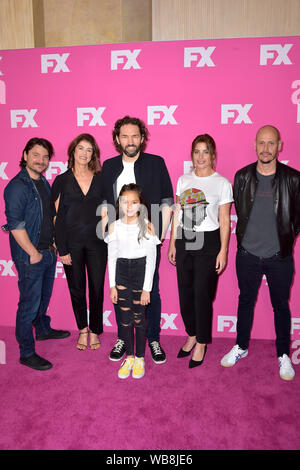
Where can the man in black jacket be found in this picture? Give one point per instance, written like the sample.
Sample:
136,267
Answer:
132,165
267,202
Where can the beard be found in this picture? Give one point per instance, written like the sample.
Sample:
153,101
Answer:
131,151
269,160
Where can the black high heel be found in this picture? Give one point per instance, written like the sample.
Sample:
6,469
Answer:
193,363
183,353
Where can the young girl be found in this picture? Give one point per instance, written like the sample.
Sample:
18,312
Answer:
131,264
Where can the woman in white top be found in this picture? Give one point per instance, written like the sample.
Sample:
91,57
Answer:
131,265
199,243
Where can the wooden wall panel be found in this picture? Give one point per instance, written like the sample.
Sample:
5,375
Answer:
81,22
16,24
200,19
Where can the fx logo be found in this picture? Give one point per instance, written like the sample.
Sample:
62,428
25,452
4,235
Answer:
54,167
2,92
233,221
106,321
236,111
24,116
226,321
295,325
54,60
59,270
191,54
7,268
268,51
154,112
169,321
84,114
119,57
3,175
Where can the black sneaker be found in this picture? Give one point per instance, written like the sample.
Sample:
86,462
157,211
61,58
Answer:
54,334
157,352
36,362
117,351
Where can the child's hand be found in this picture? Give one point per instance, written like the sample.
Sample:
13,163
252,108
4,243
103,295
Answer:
113,295
145,297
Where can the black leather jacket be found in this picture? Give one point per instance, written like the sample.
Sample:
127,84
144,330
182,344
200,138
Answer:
286,196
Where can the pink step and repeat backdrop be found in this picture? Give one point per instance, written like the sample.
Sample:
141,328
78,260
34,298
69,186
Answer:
225,87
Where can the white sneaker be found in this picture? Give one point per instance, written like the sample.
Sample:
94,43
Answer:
233,356
286,370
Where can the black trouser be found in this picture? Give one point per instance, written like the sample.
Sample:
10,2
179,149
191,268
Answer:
279,273
153,310
92,259
130,274
197,282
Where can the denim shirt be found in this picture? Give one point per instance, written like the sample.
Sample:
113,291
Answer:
23,210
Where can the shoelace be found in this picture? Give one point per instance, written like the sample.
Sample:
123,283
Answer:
156,347
138,362
119,345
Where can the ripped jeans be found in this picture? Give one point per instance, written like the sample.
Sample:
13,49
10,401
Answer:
130,275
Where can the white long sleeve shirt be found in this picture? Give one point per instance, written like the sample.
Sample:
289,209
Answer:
123,243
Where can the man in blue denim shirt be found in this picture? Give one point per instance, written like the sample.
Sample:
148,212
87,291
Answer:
29,220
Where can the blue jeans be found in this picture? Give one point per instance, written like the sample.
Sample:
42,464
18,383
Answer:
153,310
279,273
35,287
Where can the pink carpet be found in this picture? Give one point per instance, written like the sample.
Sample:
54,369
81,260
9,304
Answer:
81,404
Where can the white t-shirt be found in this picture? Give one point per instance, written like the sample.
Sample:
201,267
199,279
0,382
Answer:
215,190
126,177
123,243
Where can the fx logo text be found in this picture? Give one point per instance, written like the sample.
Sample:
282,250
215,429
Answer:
126,57
198,55
237,112
56,62
163,113
24,117
277,52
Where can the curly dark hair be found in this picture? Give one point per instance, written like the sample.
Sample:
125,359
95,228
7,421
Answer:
135,122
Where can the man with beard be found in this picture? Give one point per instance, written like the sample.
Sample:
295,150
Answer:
149,171
267,201
29,213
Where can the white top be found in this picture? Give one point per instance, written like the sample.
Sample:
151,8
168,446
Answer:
216,189
123,243
126,177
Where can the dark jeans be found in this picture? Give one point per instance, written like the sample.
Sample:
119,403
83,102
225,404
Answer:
90,258
279,273
130,274
35,286
197,283
153,310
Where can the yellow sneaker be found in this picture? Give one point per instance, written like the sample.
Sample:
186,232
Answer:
138,368
126,368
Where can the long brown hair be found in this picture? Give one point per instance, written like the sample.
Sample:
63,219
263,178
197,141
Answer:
210,144
94,165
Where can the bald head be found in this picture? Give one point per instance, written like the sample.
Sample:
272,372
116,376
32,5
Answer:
269,128
267,145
